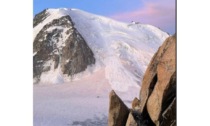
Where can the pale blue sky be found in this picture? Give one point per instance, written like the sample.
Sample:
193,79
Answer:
160,13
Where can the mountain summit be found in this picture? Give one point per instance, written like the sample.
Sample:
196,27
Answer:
70,44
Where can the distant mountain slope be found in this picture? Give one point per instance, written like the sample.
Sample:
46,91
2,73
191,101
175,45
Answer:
72,44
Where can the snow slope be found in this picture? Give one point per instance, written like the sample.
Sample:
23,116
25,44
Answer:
66,104
123,50
84,102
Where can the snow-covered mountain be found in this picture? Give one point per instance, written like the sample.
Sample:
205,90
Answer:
90,55
70,44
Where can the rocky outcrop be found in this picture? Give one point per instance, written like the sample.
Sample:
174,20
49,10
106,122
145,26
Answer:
40,17
131,121
157,104
118,111
158,89
59,44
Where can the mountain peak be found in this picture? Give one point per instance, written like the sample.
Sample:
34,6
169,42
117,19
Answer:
122,50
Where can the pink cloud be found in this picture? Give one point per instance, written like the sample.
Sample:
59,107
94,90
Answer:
160,14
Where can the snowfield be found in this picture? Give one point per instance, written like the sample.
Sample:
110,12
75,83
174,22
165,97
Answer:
122,52
66,104
83,102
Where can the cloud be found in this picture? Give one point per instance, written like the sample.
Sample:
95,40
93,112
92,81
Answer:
158,13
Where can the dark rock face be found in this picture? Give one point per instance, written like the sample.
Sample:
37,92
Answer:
59,44
168,117
78,53
158,89
40,17
118,111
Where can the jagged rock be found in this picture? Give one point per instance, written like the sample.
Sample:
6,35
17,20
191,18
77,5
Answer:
131,121
168,117
136,104
59,43
40,17
118,111
141,120
159,83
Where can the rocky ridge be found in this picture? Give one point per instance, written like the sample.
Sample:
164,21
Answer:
59,46
157,104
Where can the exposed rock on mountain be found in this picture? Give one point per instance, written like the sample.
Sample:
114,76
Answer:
118,111
40,17
131,121
120,115
60,44
159,82
157,105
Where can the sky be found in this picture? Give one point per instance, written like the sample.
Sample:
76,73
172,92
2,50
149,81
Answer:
160,13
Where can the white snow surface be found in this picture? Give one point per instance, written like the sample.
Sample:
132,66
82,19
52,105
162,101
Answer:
83,102
123,49
122,52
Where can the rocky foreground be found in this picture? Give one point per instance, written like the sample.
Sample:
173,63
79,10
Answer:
157,104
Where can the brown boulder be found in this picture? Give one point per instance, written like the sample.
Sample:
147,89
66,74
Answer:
118,111
159,82
131,121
